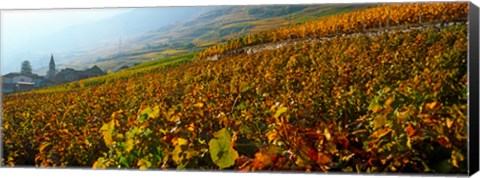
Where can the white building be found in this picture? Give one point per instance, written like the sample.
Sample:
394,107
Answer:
17,77
16,82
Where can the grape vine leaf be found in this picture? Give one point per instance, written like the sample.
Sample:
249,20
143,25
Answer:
144,164
99,164
280,111
107,132
149,113
177,154
221,149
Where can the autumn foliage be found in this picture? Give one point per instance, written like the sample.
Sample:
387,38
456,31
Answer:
356,21
393,102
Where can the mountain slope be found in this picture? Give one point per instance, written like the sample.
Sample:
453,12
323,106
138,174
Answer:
217,25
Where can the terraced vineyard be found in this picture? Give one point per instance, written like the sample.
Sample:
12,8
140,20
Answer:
378,17
393,102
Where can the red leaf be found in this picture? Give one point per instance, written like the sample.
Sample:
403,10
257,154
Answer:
312,154
410,130
442,140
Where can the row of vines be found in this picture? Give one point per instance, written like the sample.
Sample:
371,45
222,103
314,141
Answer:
377,17
389,103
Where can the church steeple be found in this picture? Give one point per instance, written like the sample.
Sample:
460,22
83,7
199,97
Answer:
52,63
51,69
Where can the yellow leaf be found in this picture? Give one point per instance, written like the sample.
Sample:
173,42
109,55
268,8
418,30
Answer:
380,133
99,163
383,160
190,154
107,130
432,105
271,135
113,115
177,153
379,121
386,90
42,147
144,164
163,131
170,112
119,136
351,91
179,141
129,145
409,143
376,109
175,118
191,127
388,102
449,123
199,105
327,134
457,158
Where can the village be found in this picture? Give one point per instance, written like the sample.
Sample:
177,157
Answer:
26,80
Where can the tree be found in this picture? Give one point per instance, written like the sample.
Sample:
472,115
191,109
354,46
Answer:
26,67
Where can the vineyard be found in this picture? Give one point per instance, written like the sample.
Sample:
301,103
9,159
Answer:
357,21
394,102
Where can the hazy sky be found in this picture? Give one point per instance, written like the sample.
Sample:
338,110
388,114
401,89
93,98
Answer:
18,27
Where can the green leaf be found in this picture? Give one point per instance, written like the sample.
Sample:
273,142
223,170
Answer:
280,111
201,141
426,168
221,150
149,113
124,161
373,103
182,166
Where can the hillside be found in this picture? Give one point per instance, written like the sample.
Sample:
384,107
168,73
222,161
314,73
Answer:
379,17
209,28
393,100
